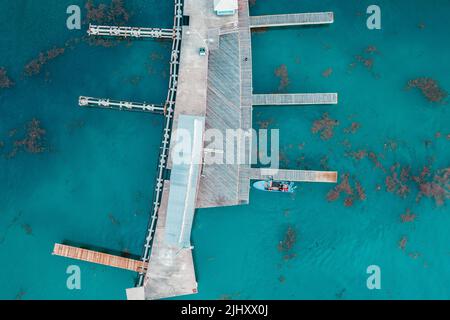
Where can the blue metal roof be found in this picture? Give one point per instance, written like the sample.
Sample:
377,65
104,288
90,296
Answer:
184,180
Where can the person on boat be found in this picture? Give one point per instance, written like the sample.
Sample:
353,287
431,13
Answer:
275,186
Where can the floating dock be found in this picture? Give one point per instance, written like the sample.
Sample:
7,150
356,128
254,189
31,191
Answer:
296,19
99,258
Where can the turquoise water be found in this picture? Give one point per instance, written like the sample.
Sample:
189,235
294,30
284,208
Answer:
94,183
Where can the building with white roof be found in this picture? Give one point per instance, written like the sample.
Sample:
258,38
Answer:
225,7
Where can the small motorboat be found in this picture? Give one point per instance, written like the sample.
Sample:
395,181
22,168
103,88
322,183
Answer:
275,186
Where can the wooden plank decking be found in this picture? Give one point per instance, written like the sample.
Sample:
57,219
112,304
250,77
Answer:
219,182
99,258
294,175
295,99
297,19
246,63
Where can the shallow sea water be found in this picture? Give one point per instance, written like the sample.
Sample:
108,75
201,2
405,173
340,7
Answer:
93,186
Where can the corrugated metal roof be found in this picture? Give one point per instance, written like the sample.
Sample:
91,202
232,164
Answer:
184,180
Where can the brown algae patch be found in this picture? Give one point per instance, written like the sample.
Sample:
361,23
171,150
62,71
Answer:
27,228
33,142
286,245
114,14
34,67
408,216
327,73
434,185
353,128
366,59
352,193
325,126
5,80
282,73
429,88
403,242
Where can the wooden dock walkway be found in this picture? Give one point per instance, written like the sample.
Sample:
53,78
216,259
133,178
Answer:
294,99
99,258
297,19
246,61
294,175
218,184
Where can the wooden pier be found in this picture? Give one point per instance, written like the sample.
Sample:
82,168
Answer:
246,61
99,258
132,32
219,88
218,184
294,175
120,105
297,19
295,99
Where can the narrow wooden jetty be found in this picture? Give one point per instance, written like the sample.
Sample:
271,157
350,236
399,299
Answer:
120,105
99,258
133,32
246,61
294,175
297,19
295,99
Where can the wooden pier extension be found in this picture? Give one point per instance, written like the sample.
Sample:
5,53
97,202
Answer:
246,65
297,19
294,99
294,175
99,258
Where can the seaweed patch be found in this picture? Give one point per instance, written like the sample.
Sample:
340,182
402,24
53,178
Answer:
352,193
325,126
5,80
282,73
288,242
34,67
429,88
